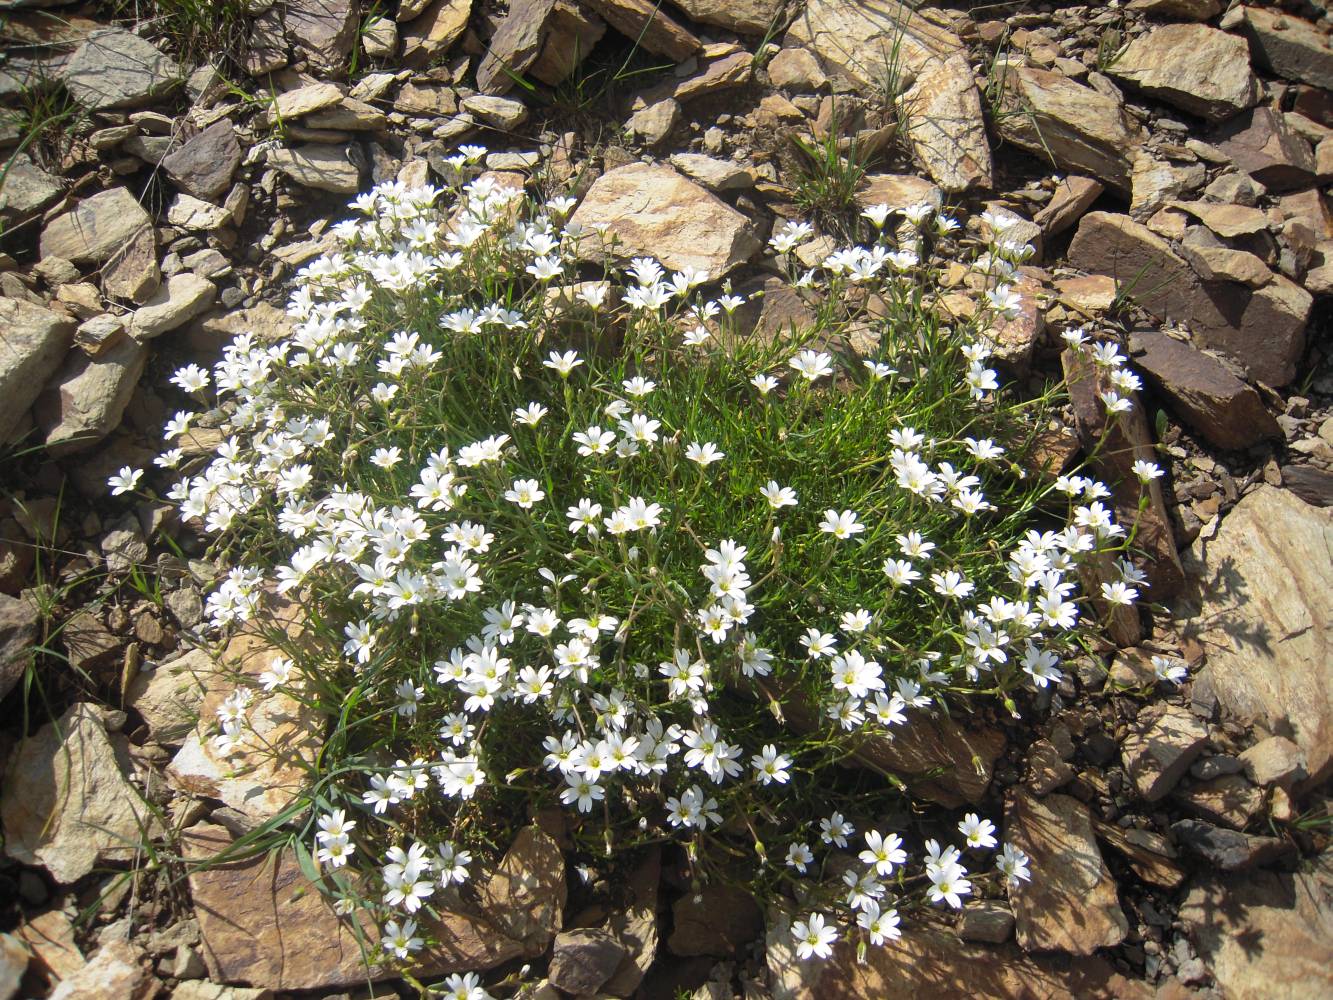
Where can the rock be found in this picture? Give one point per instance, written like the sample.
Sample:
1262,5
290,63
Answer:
27,188
1216,405
50,938
499,111
1228,221
267,767
655,122
655,211
114,68
132,272
634,924
380,39
745,17
35,341
1047,770
1149,854
854,41
944,126
1224,264
1229,850
1263,329
116,972
13,965
930,963
645,23
95,228
1073,196
88,644
1155,183
1192,66
1228,799
1070,904
1234,189
261,921
1260,144
722,72
433,32
266,46
515,45
1051,116
183,297
66,803
1262,594
898,191
583,959
123,549
1185,10
325,168
987,920
1161,750
198,989
1289,46
718,920
324,32
189,212
798,70
293,104
348,115
266,323
168,696
526,895
1275,760
19,621
571,32
714,174
203,166
1265,935
426,99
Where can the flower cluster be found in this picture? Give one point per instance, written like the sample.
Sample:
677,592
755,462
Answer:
588,540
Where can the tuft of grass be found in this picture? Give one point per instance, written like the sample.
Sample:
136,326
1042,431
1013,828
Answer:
834,168
197,31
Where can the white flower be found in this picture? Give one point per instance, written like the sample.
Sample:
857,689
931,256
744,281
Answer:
1119,593
947,884
771,766
841,525
813,937
883,853
764,383
638,386
191,378
799,856
525,493
530,414
878,214
401,940
879,925
778,496
1147,471
1170,670
387,458
1013,865
812,364
125,480
704,454
835,830
978,832
563,363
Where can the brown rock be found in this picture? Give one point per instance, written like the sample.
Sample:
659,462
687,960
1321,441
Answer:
944,126
86,399
116,972
1070,904
1224,264
50,937
526,895
168,696
266,46
1149,854
323,31
655,211
853,41
1290,46
938,758
1161,750
1197,68
132,272
645,22
1261,144
204,165
634,925
745,17
35,342
1263,594
583,959
1226,220
718,920
1263,329
431,34
796,69
1073,196
1219,407
95,228
515,45
1274,761
571,33
1229,800
1265,935
1185,10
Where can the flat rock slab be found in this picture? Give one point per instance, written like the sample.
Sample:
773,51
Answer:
86,398
1266,935
1070,904
945,126
35,342
745,17
1290,46
263,923
1161,750
655,211
67,804
1264,605
114,68
182,298
1197,68
325,168
855,42
203,166
95,228
645,22
431,33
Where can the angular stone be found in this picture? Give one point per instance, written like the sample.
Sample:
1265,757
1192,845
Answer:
987,920
426,99
856,42
34,343
1263,329
655,211
266,46
646,23
1229,850
263,922
745,17
1290,46
1149,854
325,168
583,959
114,68
50,936
183,297
720,73
432,33
898,191
1263,598
1228,799
1073,196
349,115
634,924
199,989
203,166
95,228
1275,760
132,272
714,174
1161,750
117,972
88,644
1224,264
497,110
1261,145
527,893
87,397
796,69
189,212
515,45
1197,68
1219,407
18,634
655,122
26,188
1051,116
571,32
168,696
267,767
718,920
1070,903
66,804
1227,221
293,104
1185,10
945,126
323,31
1155,183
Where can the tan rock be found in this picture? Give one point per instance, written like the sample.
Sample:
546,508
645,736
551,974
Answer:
433,32
655,211
944,126
182,298
526,895
168,696
1070,904
745,17
132,272
898,191
1226,220
1197,68
291,105
267,768
1225,264
86,399
313,165
571,32
1159,752
1073,196
1262,604
647,23
796,69
66,802
95,228
117,972
655,122
856,41
1290,46
35,342
50,937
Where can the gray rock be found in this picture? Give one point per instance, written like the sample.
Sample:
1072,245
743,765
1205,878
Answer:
496,110
1261,144
88,396
132,272
647,23
114,68
13,964
323,31
95,228
584,959
1229,850
27,188
168,696
1289,46
714,174
19,618
266,46
944,125
34,343
515,46
380,39
183,297
986,920
189,212
326,168
123,550
203,166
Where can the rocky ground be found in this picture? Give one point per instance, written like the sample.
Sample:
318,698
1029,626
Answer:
1165,157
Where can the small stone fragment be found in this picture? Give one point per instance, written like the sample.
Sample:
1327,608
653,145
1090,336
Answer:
1274,760
1162,750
